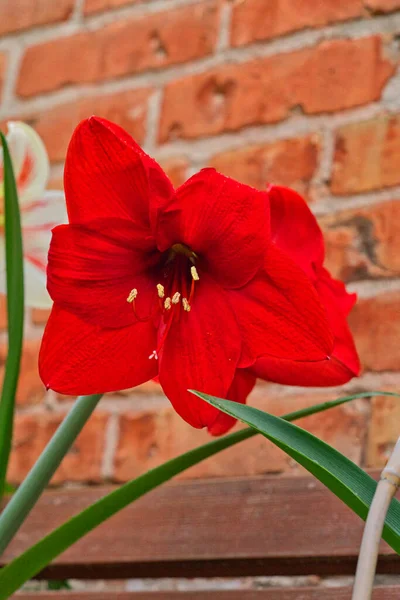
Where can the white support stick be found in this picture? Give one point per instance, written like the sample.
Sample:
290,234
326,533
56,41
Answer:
368,557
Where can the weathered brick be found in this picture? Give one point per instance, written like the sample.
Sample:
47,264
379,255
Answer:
24,14
375,323
121,48
30,388
254,20
3,312
94,6
333,76
55,126
56,182
40,316
83,461
176,169
149,438
382,6
366,156
289,162
383,430
364,242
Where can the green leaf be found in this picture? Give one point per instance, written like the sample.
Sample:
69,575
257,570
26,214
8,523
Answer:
345,479
33,560
44,468
58,584
15,310
9,489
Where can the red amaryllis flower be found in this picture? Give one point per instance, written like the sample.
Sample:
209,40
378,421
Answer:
182,285
296,232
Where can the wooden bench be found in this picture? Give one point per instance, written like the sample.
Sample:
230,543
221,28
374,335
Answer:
215,528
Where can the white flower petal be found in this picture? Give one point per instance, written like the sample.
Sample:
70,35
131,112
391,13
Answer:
30,161
46,213
38,220
36,294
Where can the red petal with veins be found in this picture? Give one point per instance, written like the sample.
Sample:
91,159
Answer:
324,373
79,358
225,222
337,288
280,315
92,270
344,363
242,385
338,304
108,175
200,352
295,230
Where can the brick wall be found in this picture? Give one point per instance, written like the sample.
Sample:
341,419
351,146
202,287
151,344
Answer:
300,92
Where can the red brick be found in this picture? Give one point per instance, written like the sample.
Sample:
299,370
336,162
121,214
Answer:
286,162
150,42
40,316
382,6
366,156
364,242
3,312
254,20
333,76
383,429
55,126
30,388
176,169
375,323
56,182
94,6
81,464
24,14
147,439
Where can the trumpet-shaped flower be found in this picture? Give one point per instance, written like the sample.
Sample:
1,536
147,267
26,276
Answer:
40,210
296,232
183,285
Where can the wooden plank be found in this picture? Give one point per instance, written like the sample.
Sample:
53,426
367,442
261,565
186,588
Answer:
301,593
246,526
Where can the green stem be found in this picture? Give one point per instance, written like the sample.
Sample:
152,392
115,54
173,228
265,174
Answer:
39,476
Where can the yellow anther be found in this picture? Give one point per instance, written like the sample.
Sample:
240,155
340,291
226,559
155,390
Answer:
167,303
175,298
132,295
186,305
194,273
160,290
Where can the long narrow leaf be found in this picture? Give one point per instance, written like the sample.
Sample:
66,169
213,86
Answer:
15,310
344,478
33,560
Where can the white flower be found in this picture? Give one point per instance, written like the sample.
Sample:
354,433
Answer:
40,210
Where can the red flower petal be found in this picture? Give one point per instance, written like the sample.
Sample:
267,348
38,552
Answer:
200,353
295,230
79,358
338,303
337,288
280,315
91,272
108,175
323,373
225,222
242,384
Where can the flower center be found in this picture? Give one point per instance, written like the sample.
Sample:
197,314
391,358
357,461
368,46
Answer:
179,276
